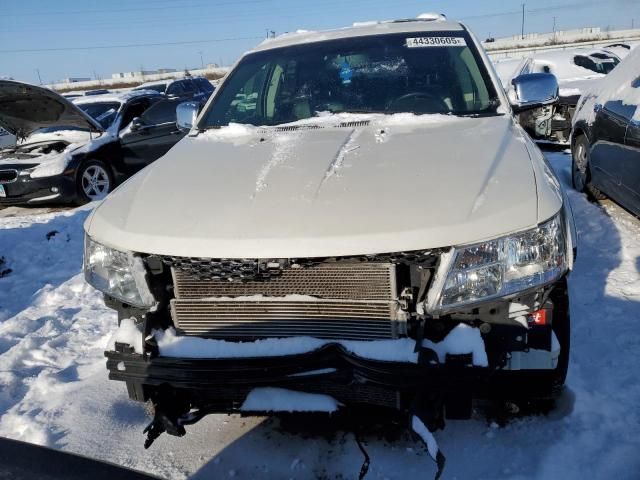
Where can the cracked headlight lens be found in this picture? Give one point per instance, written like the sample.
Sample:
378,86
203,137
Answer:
120,275
500,267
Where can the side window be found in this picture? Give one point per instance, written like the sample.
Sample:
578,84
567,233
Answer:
176,89
587,63
204,85
272,91
474,89
188,86
247,103
621,109
161,112
133,110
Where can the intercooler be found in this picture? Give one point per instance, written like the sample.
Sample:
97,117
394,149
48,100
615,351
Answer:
333,300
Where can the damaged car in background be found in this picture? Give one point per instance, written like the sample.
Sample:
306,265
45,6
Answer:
605,143
576,70
374,230
78,151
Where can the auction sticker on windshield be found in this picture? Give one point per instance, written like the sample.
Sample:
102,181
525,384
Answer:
418,42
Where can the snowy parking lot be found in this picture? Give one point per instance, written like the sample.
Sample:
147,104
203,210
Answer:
54,389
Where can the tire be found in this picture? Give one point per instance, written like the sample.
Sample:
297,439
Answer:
94,181
580,170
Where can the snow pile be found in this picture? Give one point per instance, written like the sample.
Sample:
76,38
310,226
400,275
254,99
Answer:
269,399
461,340
72,136
41,250
172,345
54,163
284,144
235,132
569,92
128,333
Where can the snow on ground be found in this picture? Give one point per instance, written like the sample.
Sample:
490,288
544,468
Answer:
54,388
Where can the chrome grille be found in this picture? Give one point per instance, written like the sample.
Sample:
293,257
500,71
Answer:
335,300
252,269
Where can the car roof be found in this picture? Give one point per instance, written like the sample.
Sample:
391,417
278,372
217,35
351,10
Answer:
116,97
436,24
156,82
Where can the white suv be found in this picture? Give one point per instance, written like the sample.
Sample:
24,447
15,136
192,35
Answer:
355,218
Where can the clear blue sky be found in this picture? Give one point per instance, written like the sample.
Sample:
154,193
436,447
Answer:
59,37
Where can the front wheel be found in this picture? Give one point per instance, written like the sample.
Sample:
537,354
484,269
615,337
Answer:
580,169
94,181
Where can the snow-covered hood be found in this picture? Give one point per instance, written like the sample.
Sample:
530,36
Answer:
390,186
26,108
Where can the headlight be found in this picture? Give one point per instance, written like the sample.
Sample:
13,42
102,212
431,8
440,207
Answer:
118,274
500,267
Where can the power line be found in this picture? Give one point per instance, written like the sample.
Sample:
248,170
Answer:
306,11
134,9
130,45
532,11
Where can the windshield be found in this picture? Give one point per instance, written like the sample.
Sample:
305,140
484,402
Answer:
609,64
414,72
102,112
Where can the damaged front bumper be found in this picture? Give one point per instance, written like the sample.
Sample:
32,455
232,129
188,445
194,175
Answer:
221,385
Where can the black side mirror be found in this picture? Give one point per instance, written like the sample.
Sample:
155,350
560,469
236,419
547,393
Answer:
136,124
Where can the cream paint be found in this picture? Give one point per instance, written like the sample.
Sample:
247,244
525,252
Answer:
418,189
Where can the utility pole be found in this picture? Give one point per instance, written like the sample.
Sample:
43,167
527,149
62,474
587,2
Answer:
201,60
522,31
554,29
40,79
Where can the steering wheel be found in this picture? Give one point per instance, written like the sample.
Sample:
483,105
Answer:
434,103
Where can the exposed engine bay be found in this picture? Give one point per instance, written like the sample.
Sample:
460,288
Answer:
33,150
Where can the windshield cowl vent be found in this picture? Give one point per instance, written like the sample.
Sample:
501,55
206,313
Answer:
359,123
294,128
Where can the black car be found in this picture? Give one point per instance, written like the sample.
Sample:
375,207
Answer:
78,152
606,137
198,88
